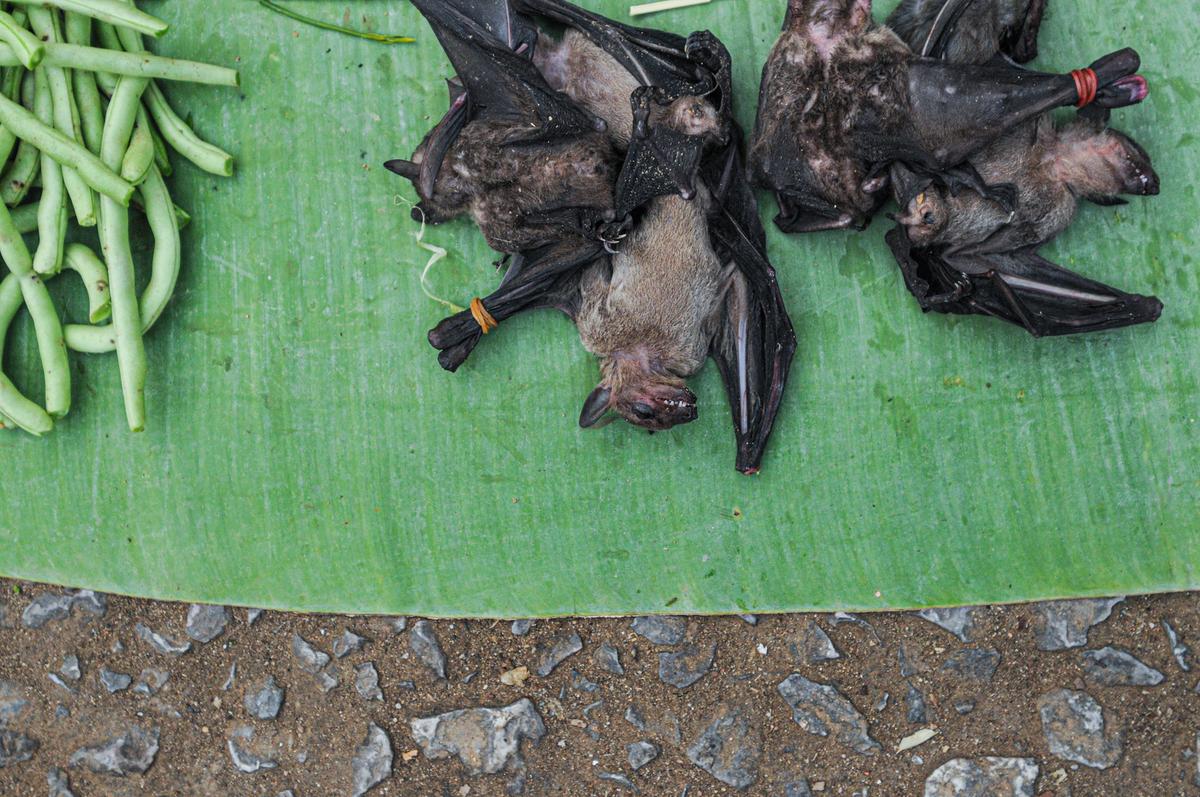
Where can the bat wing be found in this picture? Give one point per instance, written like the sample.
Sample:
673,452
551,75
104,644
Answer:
754,341
971,31
545,277
1020,287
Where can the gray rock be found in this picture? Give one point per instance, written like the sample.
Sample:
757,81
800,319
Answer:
286,793
205,623
620,780
608,658
61,712
244,760
349,642
409,685
12,704
814,646
1179,650
46,607
399,624
915,710
264,703
229,679
424,643
486,740
132,751
372,762
311,660
150,681
93,603
555,651
728,748
959,621
822,710
252,616
1059,625
634,717
15,748
580,681
682,668
1073,723
797,788
964,707
882,702
160,643
57,680
748,618
976,664
641,753
114,681
326,681
983,777
521,627
366,682
907,670
56,779
661,630
70,667
6,620
1115,667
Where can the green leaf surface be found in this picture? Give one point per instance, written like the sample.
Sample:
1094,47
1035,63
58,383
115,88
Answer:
305,451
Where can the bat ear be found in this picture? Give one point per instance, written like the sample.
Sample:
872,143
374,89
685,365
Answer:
860,14
594,408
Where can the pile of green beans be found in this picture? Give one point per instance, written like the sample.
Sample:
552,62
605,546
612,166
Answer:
84,133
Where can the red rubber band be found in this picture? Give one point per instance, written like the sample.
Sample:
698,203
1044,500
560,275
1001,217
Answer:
1086,84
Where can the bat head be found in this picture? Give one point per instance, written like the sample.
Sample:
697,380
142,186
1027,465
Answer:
925,216
829,17
653,403
696,116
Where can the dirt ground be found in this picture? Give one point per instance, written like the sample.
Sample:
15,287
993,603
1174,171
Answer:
314,738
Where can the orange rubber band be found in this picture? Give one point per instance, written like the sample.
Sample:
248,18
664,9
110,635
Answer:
1086,84
482,317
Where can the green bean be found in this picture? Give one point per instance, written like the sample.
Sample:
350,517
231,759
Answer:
15,409
90,268
52,207
67,152
25,218
114,240
78,30
140,155
49,331
161,158
66,117
25,47
164,271
183,139
114,12
19,176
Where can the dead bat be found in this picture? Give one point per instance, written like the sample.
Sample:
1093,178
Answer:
679,272
981,28
967,254
843,98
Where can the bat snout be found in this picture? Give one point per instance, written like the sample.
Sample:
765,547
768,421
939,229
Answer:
658,407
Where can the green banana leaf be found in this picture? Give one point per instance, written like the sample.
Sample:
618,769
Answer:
305,451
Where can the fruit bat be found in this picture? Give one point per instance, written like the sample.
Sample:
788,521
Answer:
843,98
656,252
967,254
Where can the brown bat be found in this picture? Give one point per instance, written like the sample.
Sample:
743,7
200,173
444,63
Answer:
967,254
842,99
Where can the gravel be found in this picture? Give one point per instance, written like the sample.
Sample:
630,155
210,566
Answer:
684,667
814,646
521,627
160,643
58,783
960,621
728,748
1073,723
822,710
424,643
15,748
1060,625
555,651
114,681
243,759
983,777
264,702
661,629
372,762
366,682
206,623
641,753
349,642
311,660
1179,650
486,740
1115,667
977,664
608,658
133,751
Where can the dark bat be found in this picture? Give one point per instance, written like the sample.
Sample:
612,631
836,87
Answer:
843,98
980,28
680,273
967,254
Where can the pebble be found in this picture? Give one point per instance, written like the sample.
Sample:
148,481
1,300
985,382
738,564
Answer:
326,681
521,627
349,642
45,608
399,624
634,717
1059,625
728,748
70,667
264,703
814,646
311,660
94,603
976,664
57,680
608,658
114,681
822,710
660,629
12,704
5,620
205,623
682,668
1179,650
748,618
244,760
1111,666
61,712
907,670
150,681
555,651
366,682
16,748
160,643
983,777
580,681
619,779
229,679
486,740
964,707
1073,723
424,643
132,751
797,788
56,779
517,676
959,621
915,710
641,753
252,616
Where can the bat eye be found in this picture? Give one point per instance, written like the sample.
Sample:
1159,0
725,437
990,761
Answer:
643,411
697,110
929,218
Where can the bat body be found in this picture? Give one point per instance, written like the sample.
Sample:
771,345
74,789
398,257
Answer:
843,98
606,161
964,253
